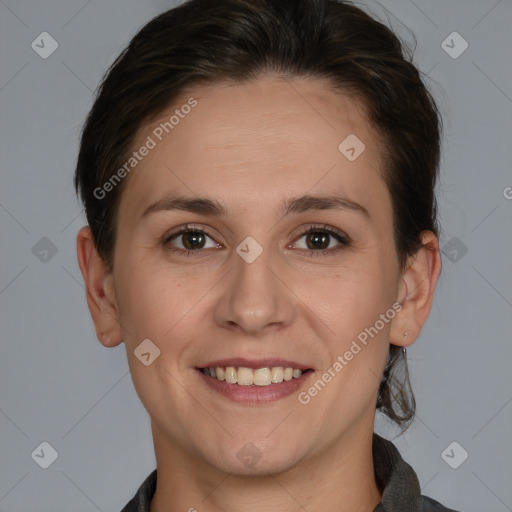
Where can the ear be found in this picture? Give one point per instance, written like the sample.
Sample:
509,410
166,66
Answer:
99,285
416,291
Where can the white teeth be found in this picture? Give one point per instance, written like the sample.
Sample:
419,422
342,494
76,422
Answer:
262,377
231,375
277,374
249,377
245,376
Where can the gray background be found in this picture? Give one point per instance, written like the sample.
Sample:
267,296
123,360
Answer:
59,385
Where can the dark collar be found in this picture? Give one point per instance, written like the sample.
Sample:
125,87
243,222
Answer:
397,482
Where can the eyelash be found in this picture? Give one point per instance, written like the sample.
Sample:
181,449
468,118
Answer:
314,228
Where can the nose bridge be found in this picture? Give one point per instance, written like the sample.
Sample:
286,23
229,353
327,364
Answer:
254,297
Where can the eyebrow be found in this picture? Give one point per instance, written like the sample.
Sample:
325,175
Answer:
207,206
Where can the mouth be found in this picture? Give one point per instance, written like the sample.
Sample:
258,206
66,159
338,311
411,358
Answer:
254,382
244,376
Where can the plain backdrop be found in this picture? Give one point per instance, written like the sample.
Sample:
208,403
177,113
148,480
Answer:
60,386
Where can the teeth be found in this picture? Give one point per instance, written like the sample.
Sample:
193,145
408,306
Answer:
288,374
277,374
249,377
231,375
245,376
262,377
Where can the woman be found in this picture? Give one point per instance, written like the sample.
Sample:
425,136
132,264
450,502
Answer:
258,178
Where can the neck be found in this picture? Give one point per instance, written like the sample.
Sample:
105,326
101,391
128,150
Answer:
339,478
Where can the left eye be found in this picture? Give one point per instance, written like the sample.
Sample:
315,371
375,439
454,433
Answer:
321,239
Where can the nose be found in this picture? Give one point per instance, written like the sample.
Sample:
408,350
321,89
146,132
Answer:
256,297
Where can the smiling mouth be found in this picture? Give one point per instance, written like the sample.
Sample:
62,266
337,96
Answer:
253,377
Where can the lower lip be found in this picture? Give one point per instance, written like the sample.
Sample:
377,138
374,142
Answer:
255,394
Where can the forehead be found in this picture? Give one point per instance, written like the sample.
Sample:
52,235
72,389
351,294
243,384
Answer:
244,141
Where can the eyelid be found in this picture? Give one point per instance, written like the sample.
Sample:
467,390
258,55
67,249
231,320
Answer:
187,228
312,228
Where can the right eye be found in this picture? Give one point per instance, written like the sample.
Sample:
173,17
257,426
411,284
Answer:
192,240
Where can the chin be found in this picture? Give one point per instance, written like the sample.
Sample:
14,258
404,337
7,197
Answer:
251,460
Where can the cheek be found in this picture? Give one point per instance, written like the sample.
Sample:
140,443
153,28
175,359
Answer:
154,305
357,305
151,301
358,342
351,300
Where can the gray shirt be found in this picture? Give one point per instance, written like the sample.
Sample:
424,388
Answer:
397,482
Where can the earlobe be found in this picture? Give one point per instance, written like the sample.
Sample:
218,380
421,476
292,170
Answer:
99,287
416,291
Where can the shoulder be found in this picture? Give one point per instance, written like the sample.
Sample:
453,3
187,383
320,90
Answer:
430,505
398,482
141,502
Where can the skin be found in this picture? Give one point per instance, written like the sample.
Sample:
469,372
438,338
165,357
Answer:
251,146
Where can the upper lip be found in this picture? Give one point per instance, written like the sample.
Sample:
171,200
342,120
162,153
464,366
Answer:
256,363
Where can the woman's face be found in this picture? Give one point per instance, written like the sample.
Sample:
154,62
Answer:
254,291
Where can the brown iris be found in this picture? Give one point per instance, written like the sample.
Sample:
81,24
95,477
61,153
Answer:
193,240
320,240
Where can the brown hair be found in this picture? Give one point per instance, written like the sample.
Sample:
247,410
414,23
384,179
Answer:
204,41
